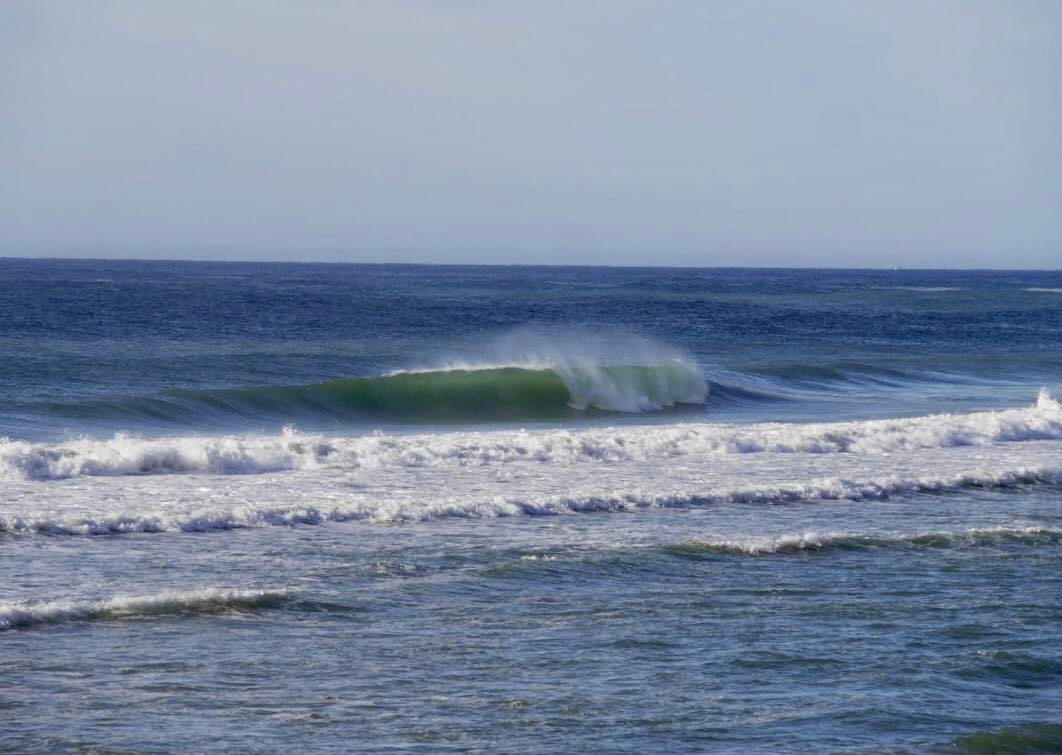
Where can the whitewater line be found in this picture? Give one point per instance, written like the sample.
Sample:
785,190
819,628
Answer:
373,510
292,450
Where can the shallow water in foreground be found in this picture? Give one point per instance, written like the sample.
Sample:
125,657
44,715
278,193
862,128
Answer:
853,544
837,625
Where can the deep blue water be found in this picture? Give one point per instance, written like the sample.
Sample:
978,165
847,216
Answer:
74,331
266,507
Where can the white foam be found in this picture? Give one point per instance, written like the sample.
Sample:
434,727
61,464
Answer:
926,289
130,455
291,450
19,615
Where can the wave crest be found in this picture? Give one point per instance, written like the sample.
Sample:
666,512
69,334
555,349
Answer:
451,395
209,600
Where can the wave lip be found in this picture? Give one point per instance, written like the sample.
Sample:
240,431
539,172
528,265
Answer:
22,615
821,541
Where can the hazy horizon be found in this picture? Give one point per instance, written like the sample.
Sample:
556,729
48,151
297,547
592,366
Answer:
689,134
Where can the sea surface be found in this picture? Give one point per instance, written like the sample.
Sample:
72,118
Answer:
334,508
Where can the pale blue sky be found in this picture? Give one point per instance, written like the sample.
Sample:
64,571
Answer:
820,132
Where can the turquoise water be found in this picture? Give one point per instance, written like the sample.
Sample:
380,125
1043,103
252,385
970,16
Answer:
393,508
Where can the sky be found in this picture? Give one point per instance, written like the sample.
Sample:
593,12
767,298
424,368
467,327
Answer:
833,133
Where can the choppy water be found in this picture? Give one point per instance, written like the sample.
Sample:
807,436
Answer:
334,508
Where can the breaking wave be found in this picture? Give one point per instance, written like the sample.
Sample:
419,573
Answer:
292,450
450,395
22,615
822,541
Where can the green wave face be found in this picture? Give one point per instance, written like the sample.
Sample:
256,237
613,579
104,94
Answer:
506,393
503,393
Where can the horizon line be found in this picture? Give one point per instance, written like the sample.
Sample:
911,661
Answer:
868,268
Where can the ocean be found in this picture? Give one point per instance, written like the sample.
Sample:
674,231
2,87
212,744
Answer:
383,508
